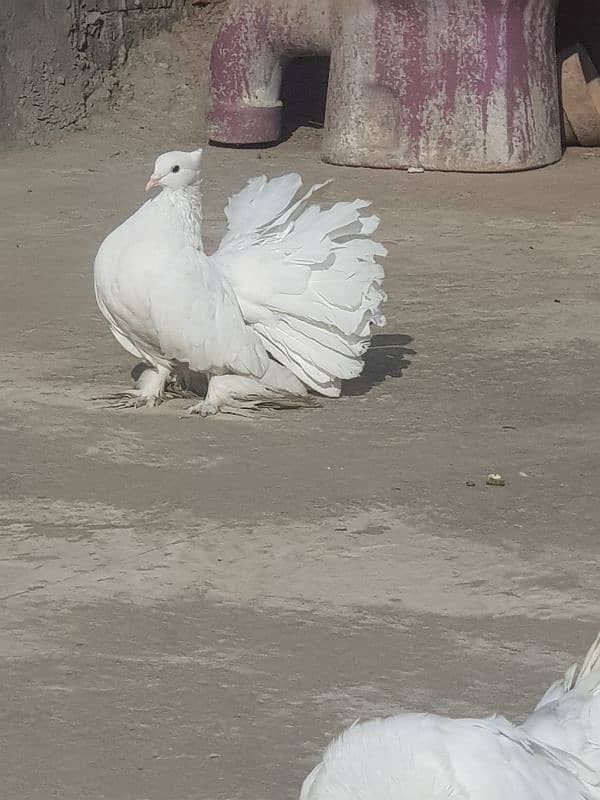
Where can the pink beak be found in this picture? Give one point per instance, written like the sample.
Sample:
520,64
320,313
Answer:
153,182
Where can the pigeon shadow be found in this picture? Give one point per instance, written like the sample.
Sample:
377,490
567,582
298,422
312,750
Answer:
190,383
385,358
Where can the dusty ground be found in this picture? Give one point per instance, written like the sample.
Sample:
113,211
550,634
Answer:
191,608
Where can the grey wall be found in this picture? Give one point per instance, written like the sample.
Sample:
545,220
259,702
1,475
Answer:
53,54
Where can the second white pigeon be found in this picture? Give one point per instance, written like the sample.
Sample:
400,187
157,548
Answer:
285,304
553,755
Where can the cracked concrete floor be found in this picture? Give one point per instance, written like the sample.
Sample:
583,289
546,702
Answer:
191,608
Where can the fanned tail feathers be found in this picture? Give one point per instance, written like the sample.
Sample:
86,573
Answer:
315,287
586,677
590,668
568,717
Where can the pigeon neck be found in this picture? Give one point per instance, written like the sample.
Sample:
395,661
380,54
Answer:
185,207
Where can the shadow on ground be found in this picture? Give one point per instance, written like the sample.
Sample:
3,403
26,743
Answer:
385,358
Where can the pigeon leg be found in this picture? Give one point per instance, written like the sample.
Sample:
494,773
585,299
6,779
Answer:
245,396
150,390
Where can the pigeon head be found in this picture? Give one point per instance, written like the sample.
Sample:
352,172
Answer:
176,170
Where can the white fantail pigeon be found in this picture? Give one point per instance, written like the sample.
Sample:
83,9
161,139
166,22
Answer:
284,305
553,755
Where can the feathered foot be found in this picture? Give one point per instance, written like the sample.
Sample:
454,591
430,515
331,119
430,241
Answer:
247,397
133,399
150,391
253,406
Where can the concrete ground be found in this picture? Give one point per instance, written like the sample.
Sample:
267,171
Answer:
191,608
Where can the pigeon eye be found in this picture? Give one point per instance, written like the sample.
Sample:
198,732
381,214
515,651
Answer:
175,168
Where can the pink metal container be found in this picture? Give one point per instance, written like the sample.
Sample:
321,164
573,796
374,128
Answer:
465,85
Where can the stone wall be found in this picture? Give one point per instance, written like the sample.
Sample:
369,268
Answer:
54,54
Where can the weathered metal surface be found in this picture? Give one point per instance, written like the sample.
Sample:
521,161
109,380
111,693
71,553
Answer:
246,64
444,84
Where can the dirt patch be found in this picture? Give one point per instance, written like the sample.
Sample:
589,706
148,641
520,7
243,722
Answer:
192,607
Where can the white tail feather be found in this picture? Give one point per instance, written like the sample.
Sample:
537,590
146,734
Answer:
591,665
568,716
587,676
260,202
306,278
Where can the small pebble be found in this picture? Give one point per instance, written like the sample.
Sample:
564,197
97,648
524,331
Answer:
415,170
495,480
470,483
